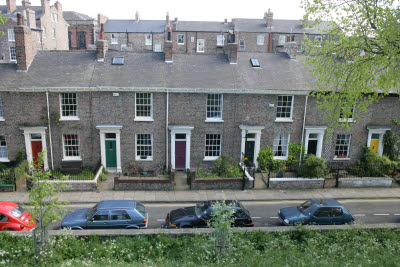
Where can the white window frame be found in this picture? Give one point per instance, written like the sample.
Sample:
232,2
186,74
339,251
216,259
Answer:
260,40
4,159
68,118
198,45
220,40
114,38
11,35
284,119
221,108
13,56
56,17
65,157
242,47
287,146
39,37
52,17
212,151
351,119
1,110
183,39
44,32
148,41
282,39
54,33
137,157
144,118
348,146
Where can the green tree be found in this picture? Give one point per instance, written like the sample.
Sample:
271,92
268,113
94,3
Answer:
46,206
358,61
2,21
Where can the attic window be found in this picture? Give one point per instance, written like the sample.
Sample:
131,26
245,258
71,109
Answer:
118,61
254,63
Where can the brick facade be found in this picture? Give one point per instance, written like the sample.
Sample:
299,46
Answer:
74,33
135,42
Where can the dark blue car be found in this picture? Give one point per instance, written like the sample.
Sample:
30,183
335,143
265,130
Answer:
108,214
316,211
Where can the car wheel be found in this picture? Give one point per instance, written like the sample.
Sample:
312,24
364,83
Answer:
186,226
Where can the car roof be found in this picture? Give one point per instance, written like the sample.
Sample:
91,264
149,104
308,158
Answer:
117,204
7,207
325,202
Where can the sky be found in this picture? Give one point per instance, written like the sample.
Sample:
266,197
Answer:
211,10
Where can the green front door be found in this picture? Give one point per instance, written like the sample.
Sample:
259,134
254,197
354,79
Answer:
111,153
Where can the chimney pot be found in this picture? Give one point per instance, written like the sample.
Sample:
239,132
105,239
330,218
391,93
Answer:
176,20
137,17
11,6
26,3
19,19
269,18
233,22
226,21
102,31
167,21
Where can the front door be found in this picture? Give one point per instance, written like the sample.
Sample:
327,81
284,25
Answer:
111,153
312,144
180,154
81,40
249,152
37,147
374,143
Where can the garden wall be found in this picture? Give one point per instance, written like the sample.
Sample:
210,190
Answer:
292,183
151,183
365,182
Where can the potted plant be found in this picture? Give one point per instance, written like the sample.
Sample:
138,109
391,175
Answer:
280,167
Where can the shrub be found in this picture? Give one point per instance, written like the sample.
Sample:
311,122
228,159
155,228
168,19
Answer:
102,177
234,171
391,145
294,153
265,159
21,155
222,164
373,165
278,165
22,169
312,167
200,173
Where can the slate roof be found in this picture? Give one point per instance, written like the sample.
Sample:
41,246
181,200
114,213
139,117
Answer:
148,70
278,26
37,9
113,25
75,16
203,26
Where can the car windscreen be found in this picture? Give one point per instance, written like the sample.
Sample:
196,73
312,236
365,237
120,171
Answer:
91,211
304,206
141,209
200,208
17,211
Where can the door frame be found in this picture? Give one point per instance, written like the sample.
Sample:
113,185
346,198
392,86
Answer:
251,129
377,130
180,129
28,143
110,129
319,130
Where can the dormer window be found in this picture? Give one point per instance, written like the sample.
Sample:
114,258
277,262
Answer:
254,63
118,61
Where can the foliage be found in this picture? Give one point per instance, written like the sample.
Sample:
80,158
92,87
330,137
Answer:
102,177
85,174
294,153
279,165
391,145
21,155
46,206
21,169
3,166
353,247
200,173
221,221
358,61
133,169
2,21
224,167
373,165
312,167
222,164
266,159
6,177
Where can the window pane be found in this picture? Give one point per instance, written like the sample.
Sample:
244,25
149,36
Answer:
3,147
214,106
71,145
69,105
213,145
144,147
280,146
119,215
342,147
13,54
143,105
1,108
284,108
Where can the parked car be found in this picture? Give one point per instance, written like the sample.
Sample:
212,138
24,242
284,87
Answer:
199,215
316,211
108,214
13,217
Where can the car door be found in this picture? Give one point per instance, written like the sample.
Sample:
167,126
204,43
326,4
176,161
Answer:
204,218
100,220
120,219
322,216
337,216
240,217
4,220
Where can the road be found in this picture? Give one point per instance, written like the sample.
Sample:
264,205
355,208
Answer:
265,213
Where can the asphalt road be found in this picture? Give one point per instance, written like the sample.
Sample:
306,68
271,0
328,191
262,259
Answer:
265,213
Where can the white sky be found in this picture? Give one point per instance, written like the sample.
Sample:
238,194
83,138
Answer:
212,10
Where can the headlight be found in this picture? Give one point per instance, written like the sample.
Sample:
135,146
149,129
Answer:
286,221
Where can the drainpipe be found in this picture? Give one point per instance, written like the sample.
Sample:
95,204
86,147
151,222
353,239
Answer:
304,123
166,132
49,124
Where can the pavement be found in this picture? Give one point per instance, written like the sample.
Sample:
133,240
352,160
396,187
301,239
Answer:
185,195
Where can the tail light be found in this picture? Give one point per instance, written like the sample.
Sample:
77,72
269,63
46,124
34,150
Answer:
144,220
21,226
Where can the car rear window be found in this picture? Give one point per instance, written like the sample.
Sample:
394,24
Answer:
17,211
141,209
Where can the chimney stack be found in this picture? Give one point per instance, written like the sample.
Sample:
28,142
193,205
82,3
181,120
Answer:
168,46
31,18
175,25
269,18
26,3
233,22
58,5
225,21
102,45
24,45
231,48
11,6
137,17
45,6
167,21
290,49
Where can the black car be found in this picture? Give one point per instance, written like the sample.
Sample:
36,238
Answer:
199,215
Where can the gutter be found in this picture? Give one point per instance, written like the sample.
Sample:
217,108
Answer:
49,124
166,132
302,132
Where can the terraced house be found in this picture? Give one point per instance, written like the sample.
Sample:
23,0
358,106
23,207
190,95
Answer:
177,108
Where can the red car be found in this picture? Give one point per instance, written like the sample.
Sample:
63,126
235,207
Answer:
14,218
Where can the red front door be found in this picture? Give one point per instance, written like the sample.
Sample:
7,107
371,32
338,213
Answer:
180,154
36,149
